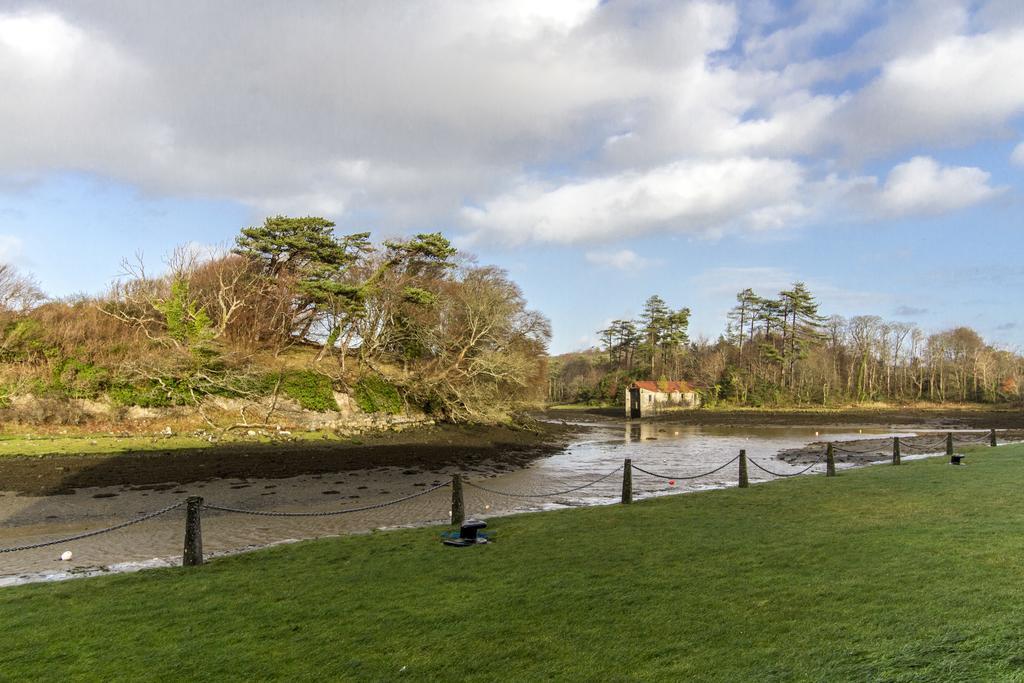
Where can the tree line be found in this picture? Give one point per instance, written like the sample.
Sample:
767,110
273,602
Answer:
778,350
410,318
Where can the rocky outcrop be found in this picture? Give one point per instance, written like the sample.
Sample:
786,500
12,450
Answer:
284,414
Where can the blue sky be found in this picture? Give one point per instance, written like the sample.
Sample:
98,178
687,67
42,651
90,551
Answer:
601,152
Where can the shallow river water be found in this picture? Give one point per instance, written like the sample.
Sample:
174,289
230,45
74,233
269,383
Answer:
663,448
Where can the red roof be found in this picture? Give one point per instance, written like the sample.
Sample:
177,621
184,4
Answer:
667,387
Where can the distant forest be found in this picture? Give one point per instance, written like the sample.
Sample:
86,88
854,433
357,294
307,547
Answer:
781,350
292,310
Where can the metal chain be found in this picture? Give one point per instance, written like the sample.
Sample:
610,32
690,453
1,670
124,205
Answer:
937,444
979,438
694,476
791,474
96,532
840,449
329,513
976,438
540,495
922,448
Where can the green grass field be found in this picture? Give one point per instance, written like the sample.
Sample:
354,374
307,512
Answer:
884,573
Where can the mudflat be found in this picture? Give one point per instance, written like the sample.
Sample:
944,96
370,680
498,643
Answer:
422,449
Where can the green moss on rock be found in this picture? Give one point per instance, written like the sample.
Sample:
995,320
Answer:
374,394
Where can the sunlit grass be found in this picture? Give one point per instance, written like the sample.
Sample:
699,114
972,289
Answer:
884,573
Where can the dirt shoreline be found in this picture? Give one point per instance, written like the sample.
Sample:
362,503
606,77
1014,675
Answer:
862,451
420,449
932,418
439,446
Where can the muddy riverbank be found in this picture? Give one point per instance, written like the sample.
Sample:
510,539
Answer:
954,417
502,473
369,485
428,448
863,451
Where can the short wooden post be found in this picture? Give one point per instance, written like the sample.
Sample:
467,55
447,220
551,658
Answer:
949,443
992,438
744,482
830,460
193,554
627,481
895,450
458,504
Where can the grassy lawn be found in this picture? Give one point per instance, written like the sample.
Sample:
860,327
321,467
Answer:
909,573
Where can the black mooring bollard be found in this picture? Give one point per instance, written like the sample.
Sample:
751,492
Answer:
744,481
895,450
193,554
627,481
992,438
458,504
949,443
830,460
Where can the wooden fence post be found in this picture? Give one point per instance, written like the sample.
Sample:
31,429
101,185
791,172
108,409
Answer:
830,460
458,504
992,437
896,450
627,481
193,554
744,482
949,443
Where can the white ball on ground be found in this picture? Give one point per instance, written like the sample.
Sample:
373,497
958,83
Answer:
66,555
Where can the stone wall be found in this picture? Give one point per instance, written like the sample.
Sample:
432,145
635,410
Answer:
286,414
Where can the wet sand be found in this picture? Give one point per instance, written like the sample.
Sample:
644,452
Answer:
420,449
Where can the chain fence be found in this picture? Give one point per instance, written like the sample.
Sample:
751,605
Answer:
511,494
905,444
787,474
916,445
686,477
95,532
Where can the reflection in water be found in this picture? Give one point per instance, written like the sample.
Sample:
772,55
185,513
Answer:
635,431
662,447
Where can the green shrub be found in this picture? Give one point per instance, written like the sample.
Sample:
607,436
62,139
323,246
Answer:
312,390
186,321
22,340
150,394
374,394
79,379
765,394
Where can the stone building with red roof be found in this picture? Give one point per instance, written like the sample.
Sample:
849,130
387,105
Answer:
647,398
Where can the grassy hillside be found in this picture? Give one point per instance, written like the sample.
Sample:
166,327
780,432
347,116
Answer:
909,573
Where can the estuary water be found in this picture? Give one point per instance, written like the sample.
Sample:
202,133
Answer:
599,449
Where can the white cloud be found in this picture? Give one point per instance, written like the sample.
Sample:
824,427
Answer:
1017,156
198,252
684,197
965,86
407,112
921,186
623,259
796,41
